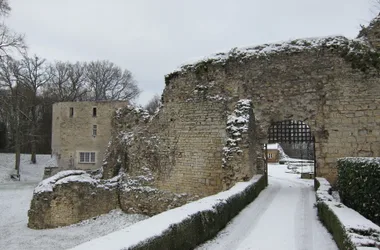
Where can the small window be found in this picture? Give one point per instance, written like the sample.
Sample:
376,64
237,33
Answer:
94,112
86,157
71,112
270,155
94,130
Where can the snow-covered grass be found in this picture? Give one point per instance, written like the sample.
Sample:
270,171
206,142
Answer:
15,197
351,227
300,167
30,173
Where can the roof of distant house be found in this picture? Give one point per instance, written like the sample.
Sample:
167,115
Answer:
273,146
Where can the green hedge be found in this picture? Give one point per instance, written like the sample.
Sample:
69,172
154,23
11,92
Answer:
359,185
328,218
204,225
333,225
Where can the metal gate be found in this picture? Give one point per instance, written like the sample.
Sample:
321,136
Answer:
292,132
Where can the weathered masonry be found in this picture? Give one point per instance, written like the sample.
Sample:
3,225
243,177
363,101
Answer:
216,113
80,133
332,84
210,131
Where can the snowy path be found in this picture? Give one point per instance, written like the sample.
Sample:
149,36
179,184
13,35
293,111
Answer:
282,217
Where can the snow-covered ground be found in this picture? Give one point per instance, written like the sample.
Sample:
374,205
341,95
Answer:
282,217
15,199
29,173
300,167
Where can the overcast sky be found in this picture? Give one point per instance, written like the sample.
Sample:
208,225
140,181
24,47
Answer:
153,37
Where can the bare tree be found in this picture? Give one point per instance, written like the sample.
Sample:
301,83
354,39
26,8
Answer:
4,8
9,40
34,75
109,82
153,105
67,82
11,101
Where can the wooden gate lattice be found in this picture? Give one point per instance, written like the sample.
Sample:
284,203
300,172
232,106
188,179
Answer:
290,132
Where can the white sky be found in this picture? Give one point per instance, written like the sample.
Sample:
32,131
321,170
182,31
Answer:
153,37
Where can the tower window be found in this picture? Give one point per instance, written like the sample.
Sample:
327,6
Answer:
94,112
94,130
71,112
87,157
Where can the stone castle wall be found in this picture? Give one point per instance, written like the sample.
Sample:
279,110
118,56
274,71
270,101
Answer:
214,120
336,94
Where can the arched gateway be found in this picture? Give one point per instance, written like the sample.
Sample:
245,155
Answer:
215,117
293,133
216,112
324,82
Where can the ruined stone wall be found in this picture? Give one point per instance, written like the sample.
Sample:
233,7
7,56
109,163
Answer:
74,195
336,93
372,32
70,197
182,147
194,138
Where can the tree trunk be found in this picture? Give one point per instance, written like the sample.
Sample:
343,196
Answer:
17,136
18,152
33,138
33,158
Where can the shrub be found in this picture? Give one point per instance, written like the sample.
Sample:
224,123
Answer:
359,185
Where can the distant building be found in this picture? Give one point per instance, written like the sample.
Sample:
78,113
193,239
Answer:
80,134
273,154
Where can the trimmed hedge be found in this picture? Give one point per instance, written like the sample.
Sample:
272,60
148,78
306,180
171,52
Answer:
350,229
359,185
333,225
332,222
186,227
204,225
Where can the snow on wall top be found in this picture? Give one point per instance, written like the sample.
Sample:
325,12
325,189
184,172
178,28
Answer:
144,230
48,184
265,50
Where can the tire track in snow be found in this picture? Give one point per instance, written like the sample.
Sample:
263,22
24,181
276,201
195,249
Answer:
240,227
304,221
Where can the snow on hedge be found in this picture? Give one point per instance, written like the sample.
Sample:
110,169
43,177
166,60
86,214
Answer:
155,226
265,50
361,231
364,160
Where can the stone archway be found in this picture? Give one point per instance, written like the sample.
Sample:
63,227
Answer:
313,81
294,133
